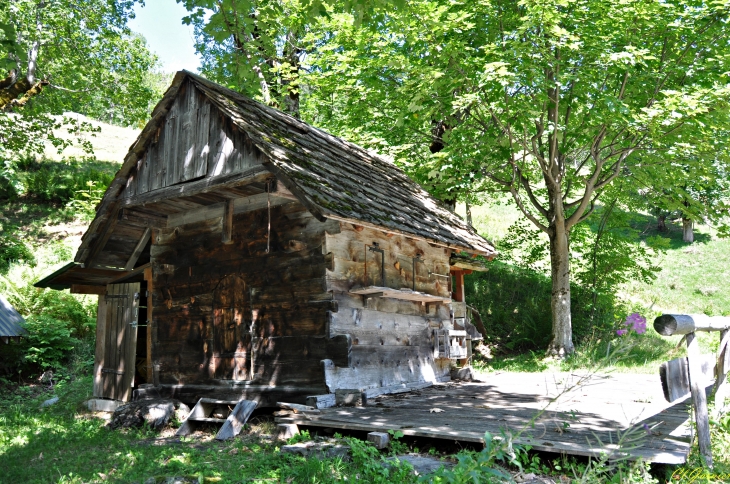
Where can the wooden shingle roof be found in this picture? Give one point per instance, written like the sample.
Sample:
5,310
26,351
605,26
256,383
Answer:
331,177
338,179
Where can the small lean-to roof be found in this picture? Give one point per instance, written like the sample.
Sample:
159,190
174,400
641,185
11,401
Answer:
10,321
338,179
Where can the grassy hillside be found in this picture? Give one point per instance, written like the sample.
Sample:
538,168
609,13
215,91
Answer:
110,142
693,277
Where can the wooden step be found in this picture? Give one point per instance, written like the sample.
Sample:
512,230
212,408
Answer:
240,411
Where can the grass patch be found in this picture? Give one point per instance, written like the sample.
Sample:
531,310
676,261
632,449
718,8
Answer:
64,443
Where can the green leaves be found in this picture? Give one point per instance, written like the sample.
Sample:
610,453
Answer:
87,61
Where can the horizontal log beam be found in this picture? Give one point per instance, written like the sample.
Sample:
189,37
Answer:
240,205
258,174
671,324
139,219
458,261
87,289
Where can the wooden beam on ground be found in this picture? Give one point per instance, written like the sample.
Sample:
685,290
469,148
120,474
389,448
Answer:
87,289
257,174
138,249
236,420
227,236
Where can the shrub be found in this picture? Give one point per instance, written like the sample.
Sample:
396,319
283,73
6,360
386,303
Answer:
48,344
13,250
60,182
53,182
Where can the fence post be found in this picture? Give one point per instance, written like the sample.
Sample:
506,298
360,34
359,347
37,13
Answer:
699,399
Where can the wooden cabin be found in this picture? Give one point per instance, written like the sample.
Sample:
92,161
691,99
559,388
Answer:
241,253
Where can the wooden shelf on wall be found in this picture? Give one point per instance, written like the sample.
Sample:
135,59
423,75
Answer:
404,294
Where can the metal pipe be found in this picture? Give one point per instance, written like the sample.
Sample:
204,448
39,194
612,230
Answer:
376,248
415,259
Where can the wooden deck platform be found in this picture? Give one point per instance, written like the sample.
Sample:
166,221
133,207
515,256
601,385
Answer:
602,408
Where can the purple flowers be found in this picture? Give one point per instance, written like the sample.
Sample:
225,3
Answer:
635,322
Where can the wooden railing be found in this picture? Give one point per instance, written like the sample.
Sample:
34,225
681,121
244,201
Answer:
675,382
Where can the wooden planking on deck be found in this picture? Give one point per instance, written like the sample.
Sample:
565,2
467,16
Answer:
600,409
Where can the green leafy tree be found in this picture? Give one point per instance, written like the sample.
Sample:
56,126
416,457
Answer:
549,100
63,55
254,46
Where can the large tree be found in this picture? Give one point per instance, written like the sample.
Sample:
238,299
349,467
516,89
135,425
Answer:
549,100
64,55
254,46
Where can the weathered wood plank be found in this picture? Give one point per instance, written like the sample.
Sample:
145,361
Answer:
227,236
699,399
100,347
236,420
508,401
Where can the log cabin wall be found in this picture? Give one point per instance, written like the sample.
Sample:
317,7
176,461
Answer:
208,295
391,339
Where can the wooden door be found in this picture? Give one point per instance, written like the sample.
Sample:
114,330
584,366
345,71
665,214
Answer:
231,330
116,341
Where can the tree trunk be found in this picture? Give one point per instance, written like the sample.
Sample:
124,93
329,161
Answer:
562,342
688,234
662,222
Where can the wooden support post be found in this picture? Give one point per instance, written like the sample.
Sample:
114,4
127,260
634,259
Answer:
722,389
99,354
699,399
227,236
150,326
458,286
138,249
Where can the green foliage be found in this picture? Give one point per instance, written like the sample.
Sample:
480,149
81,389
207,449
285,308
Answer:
254,47
302,436
86,60
514,304
48,343
63,182
85,201
59,305
14,250
477,467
